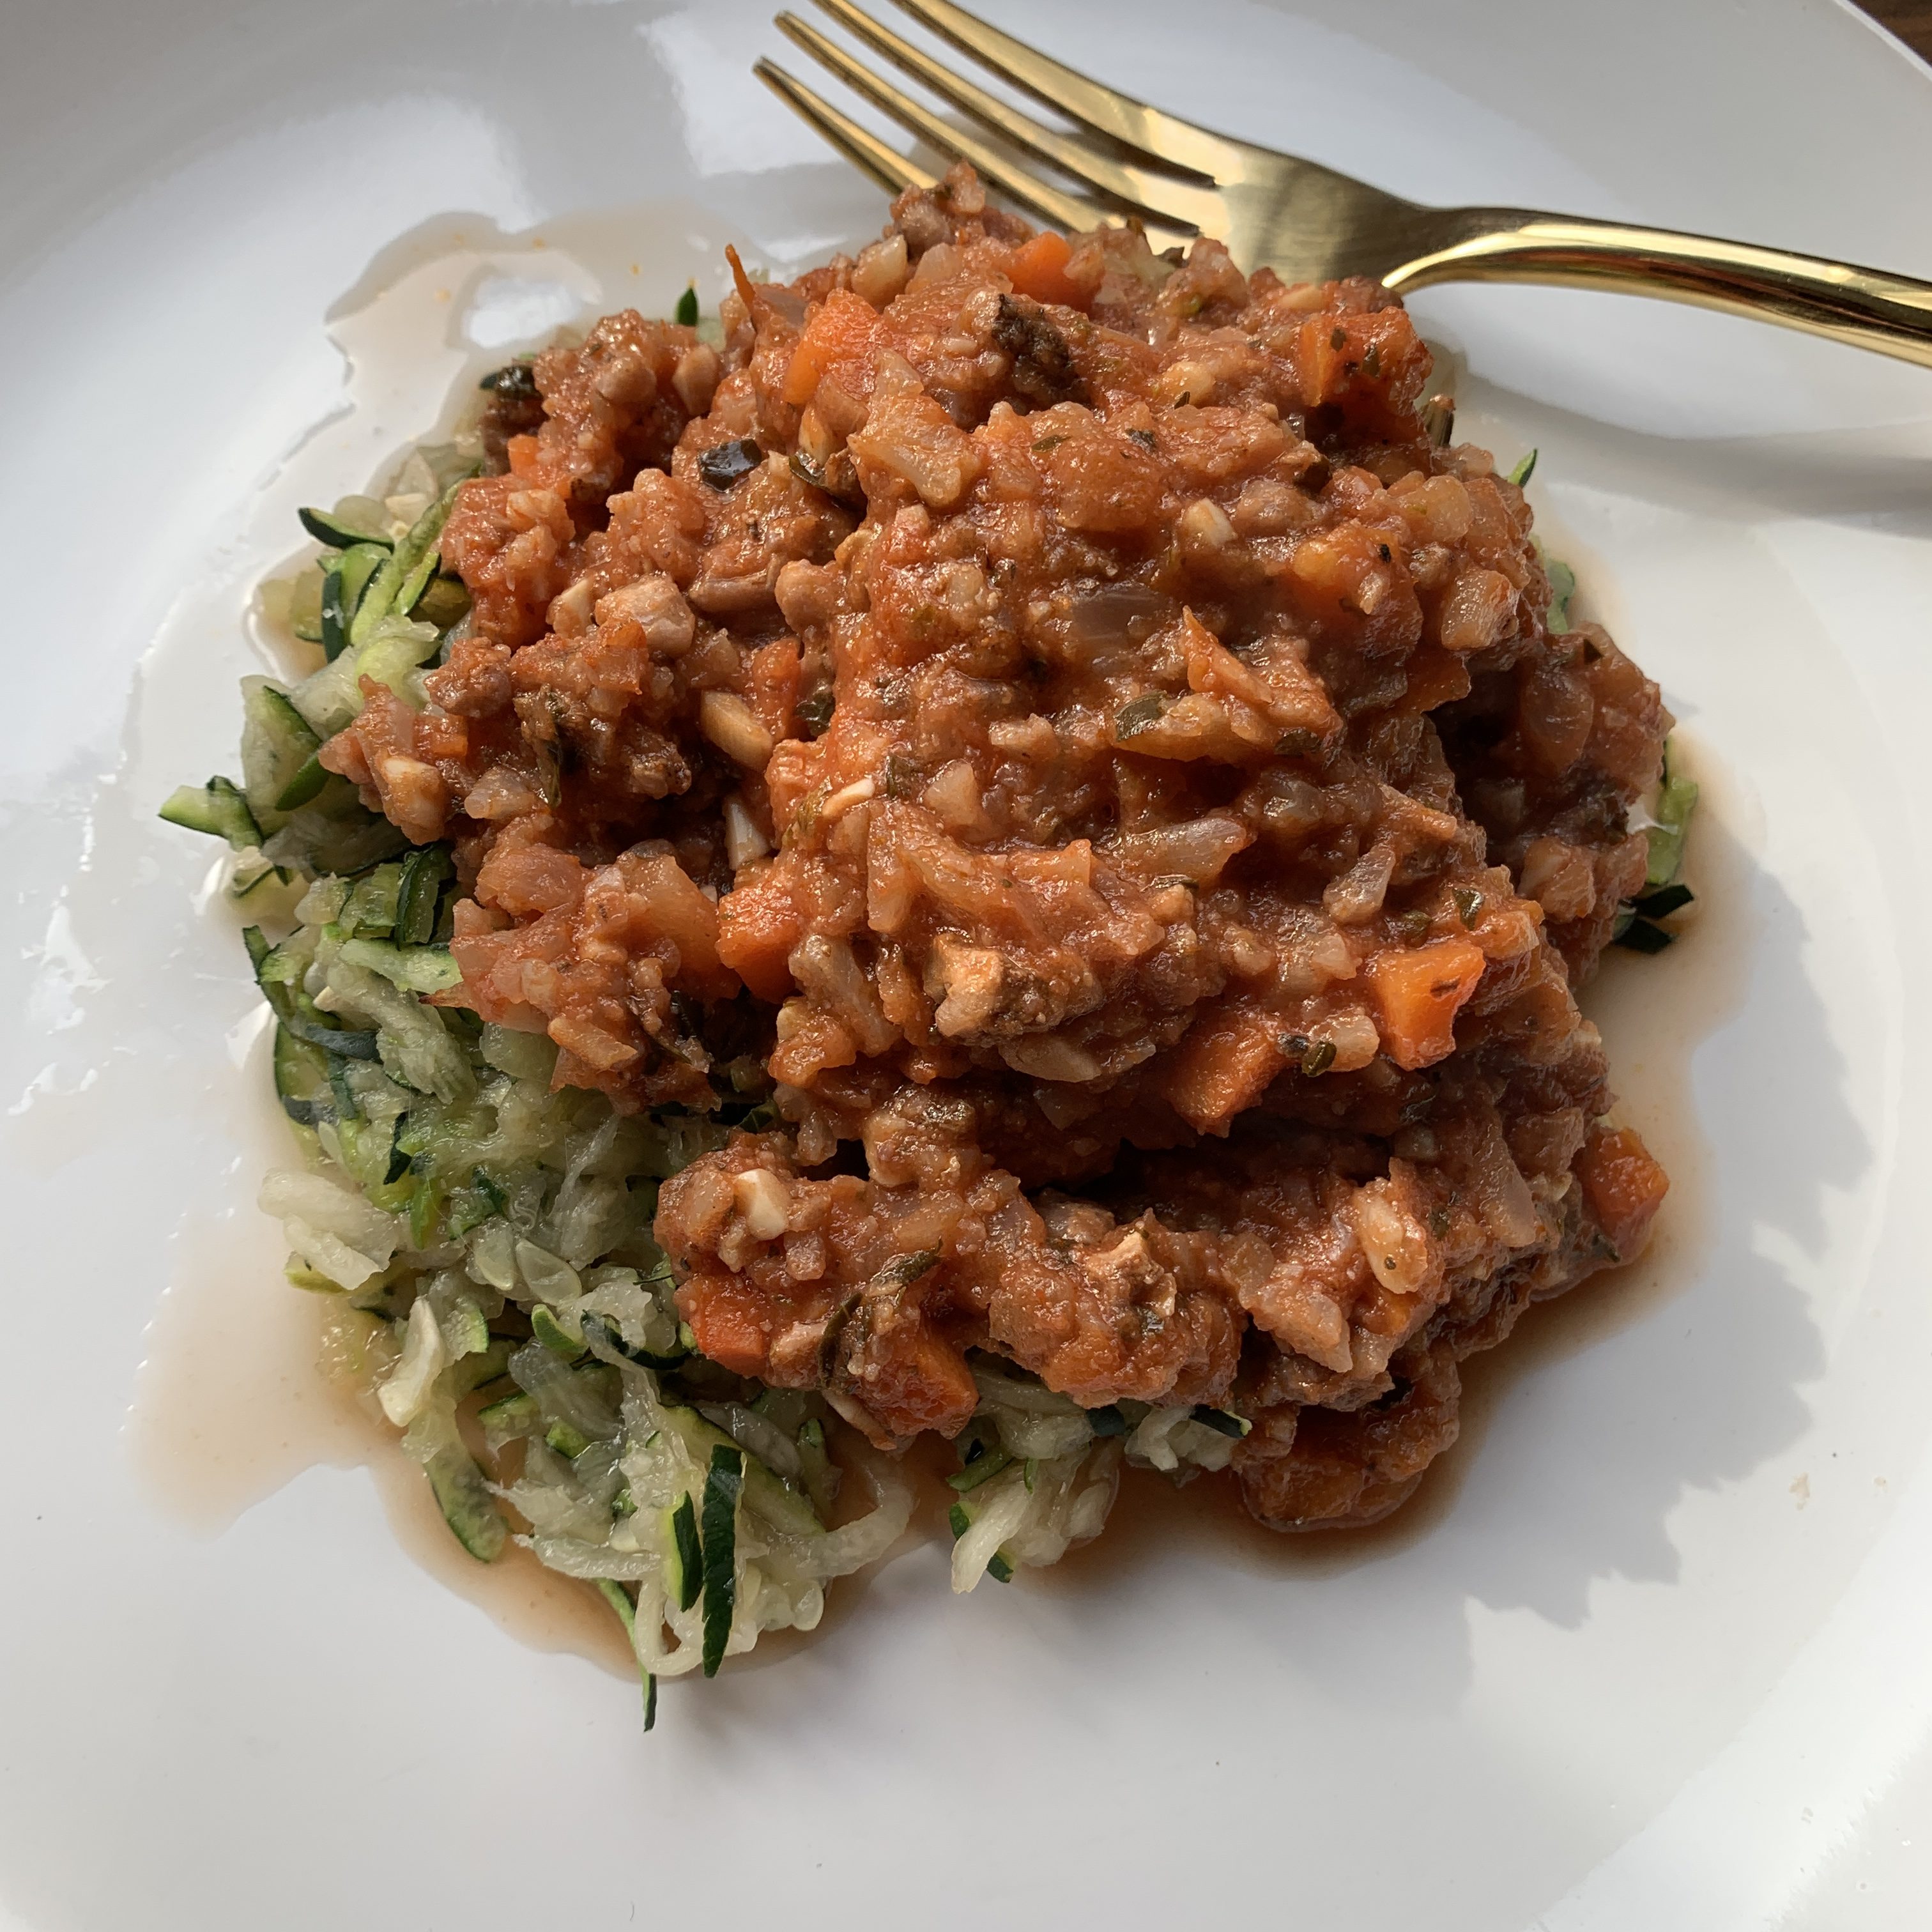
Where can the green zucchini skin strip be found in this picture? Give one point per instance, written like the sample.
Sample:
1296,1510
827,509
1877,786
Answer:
690,1557
409,566
219,809
334,618
300,789
981,1468
426,871
463,1496
612,1594
722,1487
328,528
1223,1422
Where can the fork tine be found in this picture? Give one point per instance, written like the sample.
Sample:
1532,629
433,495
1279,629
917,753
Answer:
1066,211
1173,199
1161,136
863,149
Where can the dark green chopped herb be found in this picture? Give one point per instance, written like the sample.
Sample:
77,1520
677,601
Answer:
1438,1222
959,1520
1223,1422
685,314
1108,1420
814,712
1640,936
1413,924
514,382
1318,1058
1137,714
721,1489
999,1569
1468,904
1338,338
900,776
1145,438
982,1470
903,1270
1371,359
1660,904
1524,470
724,463
690,1555
1047,443
1298,744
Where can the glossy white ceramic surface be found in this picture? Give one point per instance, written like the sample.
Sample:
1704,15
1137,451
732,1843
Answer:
1649,1651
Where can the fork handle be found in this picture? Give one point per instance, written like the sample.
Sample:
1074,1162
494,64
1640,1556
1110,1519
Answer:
1865,307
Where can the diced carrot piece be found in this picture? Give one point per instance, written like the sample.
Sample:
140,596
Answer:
724,1318
1224,1064
1419,994
915,1380
1039,268
1436,677
1623,1187
845,330
757,927
771,685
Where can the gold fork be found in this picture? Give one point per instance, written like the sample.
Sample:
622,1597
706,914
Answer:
1308,222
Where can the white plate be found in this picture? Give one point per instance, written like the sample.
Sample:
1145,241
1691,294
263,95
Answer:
1648,1652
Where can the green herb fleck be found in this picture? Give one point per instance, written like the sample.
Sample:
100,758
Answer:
685,314
1468,905
1139,714
1318,1058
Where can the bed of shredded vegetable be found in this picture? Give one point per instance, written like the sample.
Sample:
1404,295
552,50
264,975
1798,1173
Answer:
485,1239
